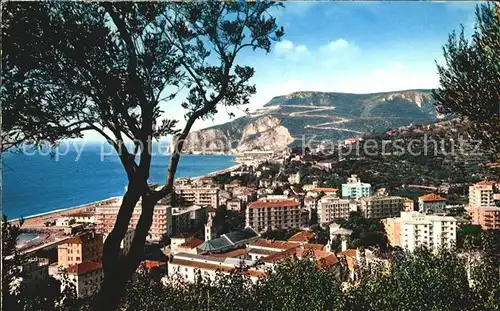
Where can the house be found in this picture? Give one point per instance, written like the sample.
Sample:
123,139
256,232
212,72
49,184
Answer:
431,203
86,277
233,205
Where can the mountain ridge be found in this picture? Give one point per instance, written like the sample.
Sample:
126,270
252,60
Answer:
287,119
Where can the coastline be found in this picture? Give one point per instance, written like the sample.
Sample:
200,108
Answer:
38,220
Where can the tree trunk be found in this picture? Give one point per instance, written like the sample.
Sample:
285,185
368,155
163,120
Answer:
113,286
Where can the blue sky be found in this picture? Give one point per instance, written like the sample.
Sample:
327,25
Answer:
355,47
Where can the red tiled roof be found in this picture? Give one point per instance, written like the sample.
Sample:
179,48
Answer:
274,244
232,254
349,252
149,264
83,238
84,267
320,189
193,243
328,260
302,236
281,255
280,203
431,197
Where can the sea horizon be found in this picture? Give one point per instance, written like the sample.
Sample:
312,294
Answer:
39,184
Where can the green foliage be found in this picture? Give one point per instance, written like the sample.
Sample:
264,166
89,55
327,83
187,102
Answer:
366,231
469,80
227,220
279,234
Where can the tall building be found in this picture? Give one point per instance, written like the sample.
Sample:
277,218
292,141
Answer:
381,206
412,229
431,203
355,189
482,206
486,217
267,214
331,207
187,218
203,196
105,217
481,194
81,248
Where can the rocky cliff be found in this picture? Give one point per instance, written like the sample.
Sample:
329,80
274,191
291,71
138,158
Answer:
299,117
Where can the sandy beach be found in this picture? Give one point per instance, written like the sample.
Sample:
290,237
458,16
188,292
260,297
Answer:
38,221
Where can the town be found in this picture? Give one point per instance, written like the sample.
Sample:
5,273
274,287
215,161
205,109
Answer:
256,215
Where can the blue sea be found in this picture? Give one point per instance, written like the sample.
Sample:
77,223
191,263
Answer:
39,183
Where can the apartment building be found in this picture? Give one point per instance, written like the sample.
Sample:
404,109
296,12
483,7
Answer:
355,189
186,218
381,206
33,275
486,217
185,266
203,196
482,208
86,277
331,207
431,203
412,229
81,248
267,214
105,217
481,194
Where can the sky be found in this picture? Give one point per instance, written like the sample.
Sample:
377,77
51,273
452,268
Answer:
352,46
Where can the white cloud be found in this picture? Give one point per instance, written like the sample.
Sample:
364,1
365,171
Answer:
284,45
287,49
301,48
335,45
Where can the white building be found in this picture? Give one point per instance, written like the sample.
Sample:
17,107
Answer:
355,189
184,266
271,214
87,278
431,203
294,178
331,207
381,206
481,194
412,229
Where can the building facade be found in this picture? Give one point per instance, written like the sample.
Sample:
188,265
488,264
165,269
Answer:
105,217
431,203
481,194
355,189
86,277
331,208
266,214
413,229
486,217
203,196
381,206
81,248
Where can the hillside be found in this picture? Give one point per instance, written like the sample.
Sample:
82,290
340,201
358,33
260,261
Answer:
325,116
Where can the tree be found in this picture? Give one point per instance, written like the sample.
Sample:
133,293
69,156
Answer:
107,67
470,80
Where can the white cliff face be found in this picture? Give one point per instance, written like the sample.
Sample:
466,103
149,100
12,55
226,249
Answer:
263,133
260,125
